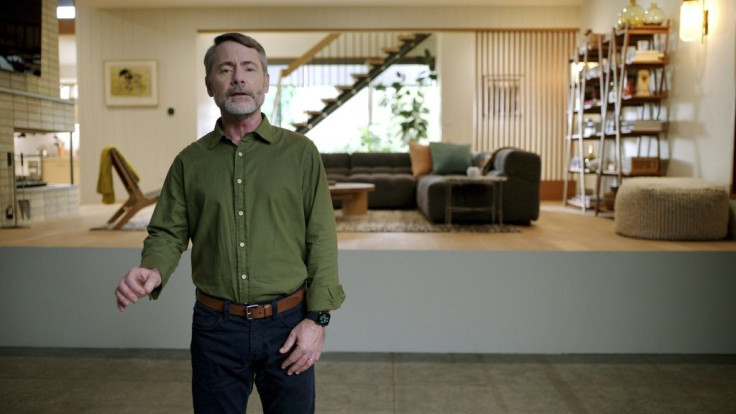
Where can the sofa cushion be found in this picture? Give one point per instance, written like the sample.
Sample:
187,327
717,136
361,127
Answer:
394,191
380,163
421,159
490,163
480,159
432,199
450,158
337,165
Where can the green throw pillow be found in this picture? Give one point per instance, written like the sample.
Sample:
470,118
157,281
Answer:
450,158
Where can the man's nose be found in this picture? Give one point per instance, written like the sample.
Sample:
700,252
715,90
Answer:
238,76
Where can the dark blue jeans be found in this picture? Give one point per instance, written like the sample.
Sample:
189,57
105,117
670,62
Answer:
230,354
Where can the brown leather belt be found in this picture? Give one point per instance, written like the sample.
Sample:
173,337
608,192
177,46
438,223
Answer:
256,311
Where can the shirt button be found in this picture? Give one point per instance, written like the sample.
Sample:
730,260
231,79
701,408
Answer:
243,276
240,181
242,244
240,213
240,153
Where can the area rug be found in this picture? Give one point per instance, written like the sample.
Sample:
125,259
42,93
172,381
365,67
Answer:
376,221
409,221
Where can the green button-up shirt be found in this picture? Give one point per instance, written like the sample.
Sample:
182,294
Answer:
259,217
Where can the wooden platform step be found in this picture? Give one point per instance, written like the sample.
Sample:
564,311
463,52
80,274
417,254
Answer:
375,62
391,49
344,88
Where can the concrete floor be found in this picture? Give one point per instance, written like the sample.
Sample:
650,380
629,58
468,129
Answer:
157,381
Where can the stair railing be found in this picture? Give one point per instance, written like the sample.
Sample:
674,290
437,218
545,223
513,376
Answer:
303,60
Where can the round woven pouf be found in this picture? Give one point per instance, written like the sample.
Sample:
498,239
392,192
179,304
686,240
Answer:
669,208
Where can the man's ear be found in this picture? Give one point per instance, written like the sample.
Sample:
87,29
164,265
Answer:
207,85
268,82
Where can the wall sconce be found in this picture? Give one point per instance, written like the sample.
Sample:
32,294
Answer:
693,20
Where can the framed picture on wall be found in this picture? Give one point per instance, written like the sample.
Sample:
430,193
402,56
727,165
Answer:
131,83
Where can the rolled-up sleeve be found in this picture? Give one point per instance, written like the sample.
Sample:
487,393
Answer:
325,292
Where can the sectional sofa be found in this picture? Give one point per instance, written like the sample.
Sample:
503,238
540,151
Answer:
397,188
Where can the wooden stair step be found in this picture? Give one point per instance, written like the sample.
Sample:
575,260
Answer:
406,37
299,125
391,49
329,101
312,114
375,62
359,76
344,88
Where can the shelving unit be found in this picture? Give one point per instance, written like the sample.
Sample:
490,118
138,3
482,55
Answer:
628,68
639,58
586,104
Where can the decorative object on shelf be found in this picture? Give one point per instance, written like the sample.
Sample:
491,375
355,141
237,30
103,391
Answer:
629,90
653,15
609,198
590,160
620,21
131,83
590,128
640,166
693,20
642,82
633,15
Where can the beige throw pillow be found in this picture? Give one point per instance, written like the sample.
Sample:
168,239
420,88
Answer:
421,159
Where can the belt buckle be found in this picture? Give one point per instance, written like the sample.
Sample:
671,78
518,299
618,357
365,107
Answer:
248,309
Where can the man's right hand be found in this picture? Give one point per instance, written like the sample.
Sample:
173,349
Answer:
137,283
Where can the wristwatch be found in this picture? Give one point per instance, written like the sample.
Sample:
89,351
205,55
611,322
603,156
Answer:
320,318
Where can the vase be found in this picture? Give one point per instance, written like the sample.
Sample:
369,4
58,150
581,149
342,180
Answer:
621,21
653,15
633,14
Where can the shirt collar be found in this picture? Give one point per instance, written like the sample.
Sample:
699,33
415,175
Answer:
265,131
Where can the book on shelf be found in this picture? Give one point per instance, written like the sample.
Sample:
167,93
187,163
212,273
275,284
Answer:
644,56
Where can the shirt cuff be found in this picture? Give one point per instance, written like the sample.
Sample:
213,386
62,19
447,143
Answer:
324,298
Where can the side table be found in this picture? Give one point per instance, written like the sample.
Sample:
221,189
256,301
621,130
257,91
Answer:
496,206
354,197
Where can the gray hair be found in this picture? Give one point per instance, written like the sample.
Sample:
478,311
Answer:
244,40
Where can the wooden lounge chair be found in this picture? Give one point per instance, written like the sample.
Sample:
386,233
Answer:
136,199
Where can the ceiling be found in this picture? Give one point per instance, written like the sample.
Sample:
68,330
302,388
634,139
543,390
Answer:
115,4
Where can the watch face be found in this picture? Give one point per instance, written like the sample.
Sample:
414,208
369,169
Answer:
324,318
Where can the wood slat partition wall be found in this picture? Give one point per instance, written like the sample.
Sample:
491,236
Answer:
521,93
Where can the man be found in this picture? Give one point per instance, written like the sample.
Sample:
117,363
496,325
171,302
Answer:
254,201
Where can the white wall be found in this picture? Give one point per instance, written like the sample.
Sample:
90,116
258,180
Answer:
407,301
150,138
456,74
703,95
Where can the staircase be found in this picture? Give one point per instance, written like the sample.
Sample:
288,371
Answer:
375,65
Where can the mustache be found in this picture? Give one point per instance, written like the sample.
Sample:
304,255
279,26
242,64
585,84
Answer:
237,89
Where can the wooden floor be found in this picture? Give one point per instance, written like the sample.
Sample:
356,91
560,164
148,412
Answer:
558,229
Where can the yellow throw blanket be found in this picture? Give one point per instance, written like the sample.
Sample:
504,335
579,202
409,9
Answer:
104,180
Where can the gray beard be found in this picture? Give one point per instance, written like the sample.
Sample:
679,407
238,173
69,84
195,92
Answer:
235,109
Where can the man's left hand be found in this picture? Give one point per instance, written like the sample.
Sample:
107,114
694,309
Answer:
305,342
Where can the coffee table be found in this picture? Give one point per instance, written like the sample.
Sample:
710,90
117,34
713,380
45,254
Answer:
496,207
354,197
